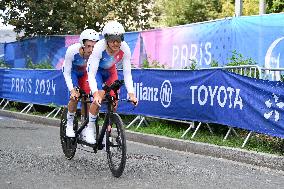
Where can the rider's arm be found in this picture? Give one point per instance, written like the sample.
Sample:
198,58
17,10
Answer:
93,65
66,68
127,68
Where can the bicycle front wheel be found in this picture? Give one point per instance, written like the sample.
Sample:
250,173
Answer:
68,145
116,146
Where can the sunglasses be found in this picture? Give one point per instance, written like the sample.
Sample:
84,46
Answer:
113,38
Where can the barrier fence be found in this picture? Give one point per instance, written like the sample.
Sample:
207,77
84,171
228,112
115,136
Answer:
257,37
205,96
252,71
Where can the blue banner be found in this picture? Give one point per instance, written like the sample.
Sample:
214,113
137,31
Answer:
2,51
33,86
212,96
258,37
37,50
49,49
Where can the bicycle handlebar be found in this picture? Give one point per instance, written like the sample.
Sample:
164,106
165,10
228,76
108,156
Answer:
83,93
115,86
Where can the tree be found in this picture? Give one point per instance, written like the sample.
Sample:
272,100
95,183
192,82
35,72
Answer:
61,17
178,12
250,7
275,6
228,9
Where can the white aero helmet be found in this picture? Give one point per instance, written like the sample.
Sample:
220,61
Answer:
113,30
89,34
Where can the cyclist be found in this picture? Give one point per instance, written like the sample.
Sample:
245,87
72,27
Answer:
75,73
107,54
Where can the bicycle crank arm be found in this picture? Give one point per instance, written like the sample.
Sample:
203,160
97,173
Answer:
94,146
79,141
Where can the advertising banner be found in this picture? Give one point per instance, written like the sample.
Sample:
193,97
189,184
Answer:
257,37
33,86
211,96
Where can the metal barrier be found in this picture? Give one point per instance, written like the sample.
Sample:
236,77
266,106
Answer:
5,102
247,70
55,111
28,107
272,74
253,71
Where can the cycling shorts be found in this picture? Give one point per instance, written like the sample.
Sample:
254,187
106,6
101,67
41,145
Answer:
81,80
106,76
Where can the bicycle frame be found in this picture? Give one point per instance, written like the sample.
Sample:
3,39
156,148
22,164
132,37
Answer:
115,141
111,103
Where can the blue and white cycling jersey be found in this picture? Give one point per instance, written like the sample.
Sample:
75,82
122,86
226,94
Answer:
108,61
100,61
73,65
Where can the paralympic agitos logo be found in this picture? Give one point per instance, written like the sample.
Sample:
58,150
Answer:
273,57
155,94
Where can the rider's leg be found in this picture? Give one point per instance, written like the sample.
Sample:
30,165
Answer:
84,111
72,107
89,131
84,85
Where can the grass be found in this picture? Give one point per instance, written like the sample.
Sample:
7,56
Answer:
257,142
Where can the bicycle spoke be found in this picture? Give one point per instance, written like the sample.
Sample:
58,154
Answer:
116,147
68,145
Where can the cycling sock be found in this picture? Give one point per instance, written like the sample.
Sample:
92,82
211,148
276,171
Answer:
70,118
92,119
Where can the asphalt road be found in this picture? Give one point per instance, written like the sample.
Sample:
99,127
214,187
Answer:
31,157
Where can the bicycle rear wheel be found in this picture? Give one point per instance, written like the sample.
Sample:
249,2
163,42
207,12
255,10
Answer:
116,146
68,145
